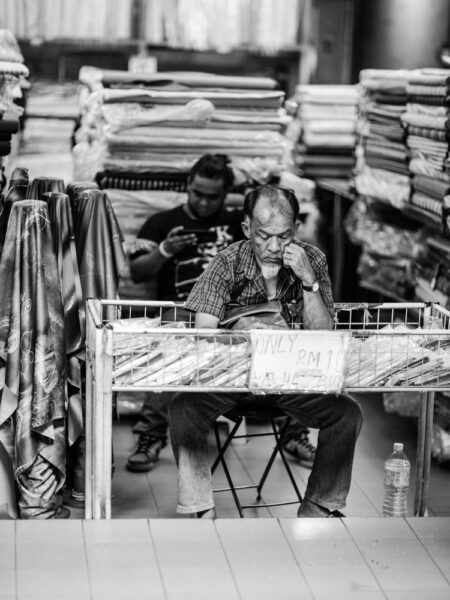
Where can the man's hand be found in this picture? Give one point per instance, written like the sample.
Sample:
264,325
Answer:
296,258
176,241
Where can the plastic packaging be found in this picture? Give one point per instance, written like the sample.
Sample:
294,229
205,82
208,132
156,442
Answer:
396,483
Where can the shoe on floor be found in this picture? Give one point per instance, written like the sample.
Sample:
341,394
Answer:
146,454
309,510
301,449
62,513
210,513
74,499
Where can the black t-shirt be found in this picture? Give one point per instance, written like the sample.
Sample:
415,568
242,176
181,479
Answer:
179,274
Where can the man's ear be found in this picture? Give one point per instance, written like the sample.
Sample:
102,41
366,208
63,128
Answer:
246,227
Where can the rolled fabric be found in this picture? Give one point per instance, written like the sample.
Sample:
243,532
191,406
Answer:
98,241
16,192
32,372
60,215
74,189
41,185
9,125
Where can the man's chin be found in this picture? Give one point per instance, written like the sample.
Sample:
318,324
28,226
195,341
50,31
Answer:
270,269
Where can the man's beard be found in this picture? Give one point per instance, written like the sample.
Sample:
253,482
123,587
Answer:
270,271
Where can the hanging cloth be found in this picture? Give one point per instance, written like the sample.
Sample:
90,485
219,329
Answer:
41,185
60,215
32,364
73,190
99,244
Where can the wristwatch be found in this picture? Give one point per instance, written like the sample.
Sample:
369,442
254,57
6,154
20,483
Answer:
311,288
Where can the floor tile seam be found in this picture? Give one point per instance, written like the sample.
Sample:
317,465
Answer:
426,549
365,560
305,579
85,543
227,560
367,497
152,493
158,563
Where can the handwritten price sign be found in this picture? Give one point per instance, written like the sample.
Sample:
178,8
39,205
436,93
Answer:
298,361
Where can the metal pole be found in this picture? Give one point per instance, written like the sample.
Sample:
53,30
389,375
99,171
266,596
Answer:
427,452
420,455
107,424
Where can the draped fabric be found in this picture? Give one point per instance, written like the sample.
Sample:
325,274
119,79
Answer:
64,244
98,240
41,185
32,365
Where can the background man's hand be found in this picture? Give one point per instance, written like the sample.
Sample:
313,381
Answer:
176,240
296,258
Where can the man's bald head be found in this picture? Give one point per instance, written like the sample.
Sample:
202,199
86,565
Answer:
271,200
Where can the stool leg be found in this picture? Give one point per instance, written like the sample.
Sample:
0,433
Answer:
278,449
220,458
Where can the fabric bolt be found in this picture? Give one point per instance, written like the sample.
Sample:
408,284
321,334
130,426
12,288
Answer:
426,109
5,148
32,353
429,99
13,68
40,185
419,166
14,194
425,121
430,77
431,187
60,216
378,162
427,90
98,241
426,132
427,203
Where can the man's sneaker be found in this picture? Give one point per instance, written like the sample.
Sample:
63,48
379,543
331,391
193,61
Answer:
301,449
146,454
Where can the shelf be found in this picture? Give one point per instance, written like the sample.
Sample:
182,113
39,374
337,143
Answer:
382,291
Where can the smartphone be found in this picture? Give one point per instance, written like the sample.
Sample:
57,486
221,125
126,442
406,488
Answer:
203,235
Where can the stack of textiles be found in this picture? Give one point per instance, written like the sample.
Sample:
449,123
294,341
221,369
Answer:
432,272
146,131
12,74
382,156
427,123
324,130
140,135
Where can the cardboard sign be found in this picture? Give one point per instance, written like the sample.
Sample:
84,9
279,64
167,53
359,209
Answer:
298,361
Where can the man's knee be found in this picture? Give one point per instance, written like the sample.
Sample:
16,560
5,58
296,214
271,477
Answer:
351,411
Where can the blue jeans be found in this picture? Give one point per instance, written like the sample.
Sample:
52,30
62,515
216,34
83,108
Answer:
338,419
153,420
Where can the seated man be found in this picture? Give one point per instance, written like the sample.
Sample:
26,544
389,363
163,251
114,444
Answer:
269,265
165,249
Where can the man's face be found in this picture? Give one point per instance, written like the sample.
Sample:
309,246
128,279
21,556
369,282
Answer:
270,230
206,196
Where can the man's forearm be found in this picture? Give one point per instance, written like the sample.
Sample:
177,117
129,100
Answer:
315,312
146,266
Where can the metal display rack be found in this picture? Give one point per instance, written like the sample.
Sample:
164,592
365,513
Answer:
143,346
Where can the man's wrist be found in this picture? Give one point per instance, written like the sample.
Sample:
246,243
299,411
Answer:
163,251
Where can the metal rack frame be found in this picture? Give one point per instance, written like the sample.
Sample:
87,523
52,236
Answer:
362,319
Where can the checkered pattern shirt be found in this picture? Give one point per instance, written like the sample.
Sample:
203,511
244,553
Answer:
234,278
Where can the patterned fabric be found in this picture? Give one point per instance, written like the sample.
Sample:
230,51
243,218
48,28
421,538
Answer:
32,365
74,328
431,187
98,241
234,276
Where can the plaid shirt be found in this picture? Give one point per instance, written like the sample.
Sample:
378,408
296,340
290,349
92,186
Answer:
233,277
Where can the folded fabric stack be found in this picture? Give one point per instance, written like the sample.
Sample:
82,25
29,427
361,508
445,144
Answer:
324,130
432,272
382,156
146,131
428,129
12,73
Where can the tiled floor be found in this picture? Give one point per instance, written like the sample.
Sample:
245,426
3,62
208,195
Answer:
242,559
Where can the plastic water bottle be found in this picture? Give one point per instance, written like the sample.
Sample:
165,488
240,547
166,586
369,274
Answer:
396,483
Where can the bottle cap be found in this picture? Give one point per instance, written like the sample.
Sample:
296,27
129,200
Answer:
398,447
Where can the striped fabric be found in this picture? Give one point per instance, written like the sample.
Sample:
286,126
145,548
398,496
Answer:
426,203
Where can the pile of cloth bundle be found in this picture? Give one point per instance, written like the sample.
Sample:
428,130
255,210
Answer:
140,135
13,74
324,130
427,124
148,130
382,155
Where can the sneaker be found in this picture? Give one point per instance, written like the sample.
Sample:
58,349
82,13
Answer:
146,454
309,510
301,449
